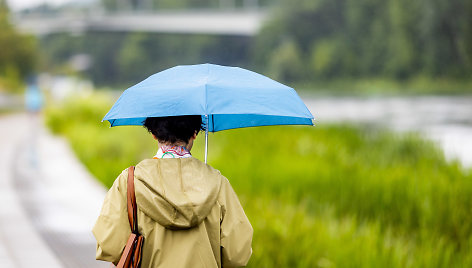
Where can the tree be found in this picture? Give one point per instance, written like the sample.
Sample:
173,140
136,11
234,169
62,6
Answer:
18,55
365,38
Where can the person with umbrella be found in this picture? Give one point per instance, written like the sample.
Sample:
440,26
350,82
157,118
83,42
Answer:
188,212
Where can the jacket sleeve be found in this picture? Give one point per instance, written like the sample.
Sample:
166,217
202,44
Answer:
236,231
112,227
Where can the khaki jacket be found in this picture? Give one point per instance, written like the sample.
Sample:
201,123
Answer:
187,212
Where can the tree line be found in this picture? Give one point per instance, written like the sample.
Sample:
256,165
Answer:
327,39
18,53
302,41
122,59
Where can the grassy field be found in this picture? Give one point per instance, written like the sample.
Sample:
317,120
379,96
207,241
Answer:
328,196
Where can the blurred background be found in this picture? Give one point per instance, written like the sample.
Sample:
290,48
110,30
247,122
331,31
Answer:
383,180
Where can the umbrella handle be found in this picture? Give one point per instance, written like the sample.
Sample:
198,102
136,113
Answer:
206,137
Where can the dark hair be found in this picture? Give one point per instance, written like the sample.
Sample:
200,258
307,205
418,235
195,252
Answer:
174,128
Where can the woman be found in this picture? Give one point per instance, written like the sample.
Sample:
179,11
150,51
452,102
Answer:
187,211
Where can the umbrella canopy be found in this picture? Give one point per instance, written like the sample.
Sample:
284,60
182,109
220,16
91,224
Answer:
226,97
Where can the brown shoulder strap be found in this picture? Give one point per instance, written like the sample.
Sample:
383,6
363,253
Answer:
132,214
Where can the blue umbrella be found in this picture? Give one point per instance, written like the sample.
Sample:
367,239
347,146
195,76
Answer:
225,97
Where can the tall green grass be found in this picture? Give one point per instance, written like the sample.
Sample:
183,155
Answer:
329,196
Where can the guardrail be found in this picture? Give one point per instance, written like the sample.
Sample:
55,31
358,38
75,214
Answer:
244,23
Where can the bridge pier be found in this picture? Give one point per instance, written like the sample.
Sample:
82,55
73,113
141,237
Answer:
227,4
251,4
146,5
123,5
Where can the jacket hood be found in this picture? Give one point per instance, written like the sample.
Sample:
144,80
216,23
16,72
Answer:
178,193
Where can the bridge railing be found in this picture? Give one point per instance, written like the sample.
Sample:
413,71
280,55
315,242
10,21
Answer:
234,22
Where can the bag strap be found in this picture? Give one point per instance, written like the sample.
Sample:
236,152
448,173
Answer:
131,200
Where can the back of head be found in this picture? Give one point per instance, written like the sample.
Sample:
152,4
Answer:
172,129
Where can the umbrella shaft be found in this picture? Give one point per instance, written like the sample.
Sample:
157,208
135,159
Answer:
206,138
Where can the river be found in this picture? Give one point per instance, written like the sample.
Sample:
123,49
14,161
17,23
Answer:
447,120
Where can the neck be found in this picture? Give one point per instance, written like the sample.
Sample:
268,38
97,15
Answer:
160,144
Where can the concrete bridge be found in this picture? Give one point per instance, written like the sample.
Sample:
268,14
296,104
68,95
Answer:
237,22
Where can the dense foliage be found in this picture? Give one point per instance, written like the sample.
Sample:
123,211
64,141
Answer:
303,41
328,196
123,59
18,53
328,39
